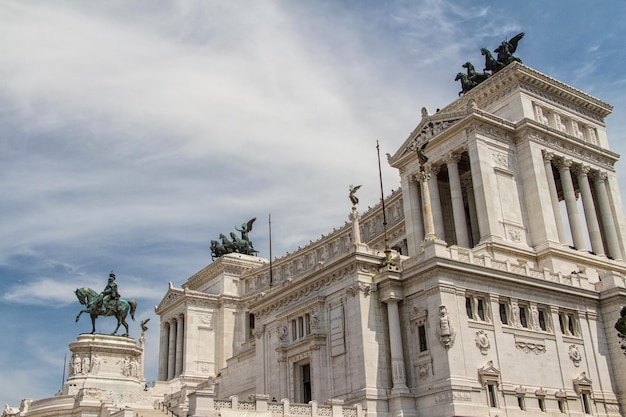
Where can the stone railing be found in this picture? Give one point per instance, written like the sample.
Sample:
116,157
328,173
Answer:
203,403
314,255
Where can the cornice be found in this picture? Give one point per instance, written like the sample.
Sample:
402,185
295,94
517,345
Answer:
231,264
516,75
271,302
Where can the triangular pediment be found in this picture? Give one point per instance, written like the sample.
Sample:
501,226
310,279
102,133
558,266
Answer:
489,373
582,382
429,128
171,297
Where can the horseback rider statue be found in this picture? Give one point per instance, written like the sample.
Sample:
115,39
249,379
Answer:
109,296
107,303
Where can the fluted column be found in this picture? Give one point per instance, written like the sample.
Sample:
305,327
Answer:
554,197
593,227
471,205
435,200
427,209
171,353
398,373
606,216
163,351
571,205
417,214
356,229
456,194
180,332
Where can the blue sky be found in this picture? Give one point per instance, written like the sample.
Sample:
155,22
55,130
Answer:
132,133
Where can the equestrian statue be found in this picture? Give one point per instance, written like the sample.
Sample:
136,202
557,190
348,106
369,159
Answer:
504,57
107,303
235,244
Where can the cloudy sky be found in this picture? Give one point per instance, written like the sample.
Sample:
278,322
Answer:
134,132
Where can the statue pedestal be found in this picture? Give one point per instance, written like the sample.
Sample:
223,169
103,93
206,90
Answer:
107,367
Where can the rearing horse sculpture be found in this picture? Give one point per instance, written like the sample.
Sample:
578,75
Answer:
87,297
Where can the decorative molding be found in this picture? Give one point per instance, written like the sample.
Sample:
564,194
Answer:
572,149
574,355
491,132
482,342
528,345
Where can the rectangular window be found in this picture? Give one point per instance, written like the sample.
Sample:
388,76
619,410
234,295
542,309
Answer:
562,406
586,403
480,305
520,403
300,327
542,404
307,324
469,307
491,392
294,330
562,322
523,316
421,334
306,383
504,318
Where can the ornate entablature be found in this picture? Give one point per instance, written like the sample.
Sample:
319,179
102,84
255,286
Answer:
229,264
313,289
567,148
298,265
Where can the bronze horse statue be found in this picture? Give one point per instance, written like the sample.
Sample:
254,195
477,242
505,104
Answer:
89,298
491,64
466,83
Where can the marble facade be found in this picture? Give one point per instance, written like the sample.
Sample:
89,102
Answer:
509,277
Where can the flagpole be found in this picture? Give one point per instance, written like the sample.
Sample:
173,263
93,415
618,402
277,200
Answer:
271,269
387,261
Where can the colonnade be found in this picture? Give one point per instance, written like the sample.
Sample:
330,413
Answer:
567,181
598,214
172,348
461,194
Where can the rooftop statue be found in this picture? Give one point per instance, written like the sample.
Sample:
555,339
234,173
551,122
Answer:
234,244
504,57
353,198
507,49
421,156
107,303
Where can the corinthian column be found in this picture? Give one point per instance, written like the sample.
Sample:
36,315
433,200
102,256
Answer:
427,210
606,216
554,197
456,194
398,373
171,353
571,205
179,344
593,227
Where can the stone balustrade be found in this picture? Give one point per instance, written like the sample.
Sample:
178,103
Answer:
203,403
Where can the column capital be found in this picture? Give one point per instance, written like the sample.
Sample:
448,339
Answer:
562,163
547,155
581,169
598,176
452,158
433,169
